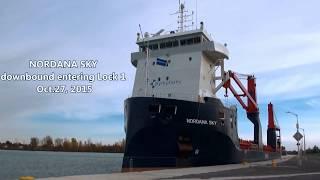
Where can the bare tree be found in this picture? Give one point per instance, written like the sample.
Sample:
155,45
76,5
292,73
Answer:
58,142
74,144
67,145
34,142
47,143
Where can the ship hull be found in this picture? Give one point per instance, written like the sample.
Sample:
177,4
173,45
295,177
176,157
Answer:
162,133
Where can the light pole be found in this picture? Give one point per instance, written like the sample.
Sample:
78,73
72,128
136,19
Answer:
297,125
304,141
298,144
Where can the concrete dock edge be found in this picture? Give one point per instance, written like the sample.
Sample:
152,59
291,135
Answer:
168,173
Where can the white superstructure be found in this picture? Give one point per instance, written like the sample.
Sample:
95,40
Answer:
179,65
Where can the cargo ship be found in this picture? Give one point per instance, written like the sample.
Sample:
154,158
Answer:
174,117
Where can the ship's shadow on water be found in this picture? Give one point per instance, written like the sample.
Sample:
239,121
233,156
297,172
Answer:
14,164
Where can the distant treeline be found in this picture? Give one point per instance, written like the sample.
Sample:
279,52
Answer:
67,145
313,150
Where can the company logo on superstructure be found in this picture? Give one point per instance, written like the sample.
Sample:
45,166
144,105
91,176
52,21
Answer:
165,83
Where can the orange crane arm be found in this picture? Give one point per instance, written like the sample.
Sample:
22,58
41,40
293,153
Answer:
252,105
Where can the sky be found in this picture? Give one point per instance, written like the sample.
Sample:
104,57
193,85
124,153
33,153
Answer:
277,41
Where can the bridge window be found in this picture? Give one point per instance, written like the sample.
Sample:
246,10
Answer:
168,44
162,45
172,43
175,43
190,41
151,47
154,47
197,40
183,42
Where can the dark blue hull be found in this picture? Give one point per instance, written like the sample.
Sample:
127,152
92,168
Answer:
174,133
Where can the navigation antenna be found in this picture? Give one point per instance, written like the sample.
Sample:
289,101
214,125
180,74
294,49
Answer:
196,14
183,17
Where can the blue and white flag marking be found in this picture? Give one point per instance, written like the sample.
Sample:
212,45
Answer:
162,62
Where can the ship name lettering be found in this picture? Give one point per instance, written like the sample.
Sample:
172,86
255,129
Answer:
196,121
202,122
213,123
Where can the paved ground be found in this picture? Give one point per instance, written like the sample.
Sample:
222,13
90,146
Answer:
286,169
310,169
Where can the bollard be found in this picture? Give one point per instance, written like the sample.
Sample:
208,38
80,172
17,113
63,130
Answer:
274,163
26,178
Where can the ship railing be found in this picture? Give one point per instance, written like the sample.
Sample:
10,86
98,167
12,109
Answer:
267,148
248,144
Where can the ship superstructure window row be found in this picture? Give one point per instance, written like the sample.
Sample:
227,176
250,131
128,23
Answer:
190,41
173,43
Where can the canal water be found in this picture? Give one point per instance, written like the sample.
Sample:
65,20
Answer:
14,164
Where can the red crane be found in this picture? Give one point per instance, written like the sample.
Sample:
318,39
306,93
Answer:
273,133
252,109
251,106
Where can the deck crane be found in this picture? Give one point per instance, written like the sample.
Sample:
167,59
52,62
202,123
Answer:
273,133
252,108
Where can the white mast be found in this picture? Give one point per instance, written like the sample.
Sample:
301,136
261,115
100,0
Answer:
196,14
183,17
181,11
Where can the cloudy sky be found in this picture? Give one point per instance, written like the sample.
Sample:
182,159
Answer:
278,41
